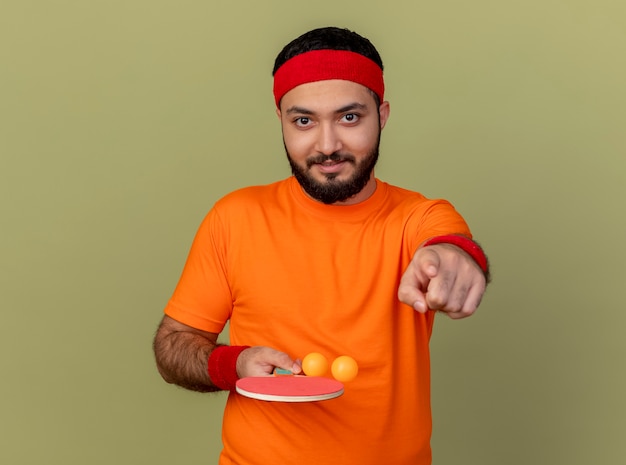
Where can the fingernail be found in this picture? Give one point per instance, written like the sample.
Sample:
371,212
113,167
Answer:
419,306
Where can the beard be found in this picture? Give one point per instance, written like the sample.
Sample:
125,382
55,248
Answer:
332,190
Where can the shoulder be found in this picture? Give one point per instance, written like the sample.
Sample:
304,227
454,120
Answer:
416,207
252,196
241,209
412,201
400,194
249,205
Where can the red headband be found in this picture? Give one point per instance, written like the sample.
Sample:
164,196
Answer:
322,65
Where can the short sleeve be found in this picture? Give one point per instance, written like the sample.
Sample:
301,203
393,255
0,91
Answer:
202,298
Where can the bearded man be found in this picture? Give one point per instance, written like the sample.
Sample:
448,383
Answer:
331,260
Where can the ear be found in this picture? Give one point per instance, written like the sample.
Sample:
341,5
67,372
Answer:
278,113
384,113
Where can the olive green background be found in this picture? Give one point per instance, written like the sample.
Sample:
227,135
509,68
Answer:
121,122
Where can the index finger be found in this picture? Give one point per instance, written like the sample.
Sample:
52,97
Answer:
428,261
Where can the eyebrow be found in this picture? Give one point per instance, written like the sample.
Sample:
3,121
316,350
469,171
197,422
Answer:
352,106
299,110
306,111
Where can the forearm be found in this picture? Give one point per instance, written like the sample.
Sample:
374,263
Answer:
182,358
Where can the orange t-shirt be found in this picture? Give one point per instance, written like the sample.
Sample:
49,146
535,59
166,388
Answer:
294,274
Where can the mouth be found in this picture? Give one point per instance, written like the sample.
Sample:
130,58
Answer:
331,166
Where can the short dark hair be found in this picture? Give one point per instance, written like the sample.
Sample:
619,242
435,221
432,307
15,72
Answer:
328,38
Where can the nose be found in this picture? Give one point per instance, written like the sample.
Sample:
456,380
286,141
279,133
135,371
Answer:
328,140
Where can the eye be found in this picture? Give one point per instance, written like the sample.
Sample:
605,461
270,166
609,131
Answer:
302,121
350,118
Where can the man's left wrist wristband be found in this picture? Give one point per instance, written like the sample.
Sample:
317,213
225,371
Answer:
222,366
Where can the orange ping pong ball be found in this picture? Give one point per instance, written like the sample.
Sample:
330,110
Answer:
314,364
344,368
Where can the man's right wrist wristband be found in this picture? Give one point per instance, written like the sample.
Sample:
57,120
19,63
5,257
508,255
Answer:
222,366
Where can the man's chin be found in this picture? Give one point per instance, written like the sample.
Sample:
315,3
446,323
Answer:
332,179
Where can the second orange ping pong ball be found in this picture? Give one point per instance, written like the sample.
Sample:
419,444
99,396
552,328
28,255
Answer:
314,364
344,368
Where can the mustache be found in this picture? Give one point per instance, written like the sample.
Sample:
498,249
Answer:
334,157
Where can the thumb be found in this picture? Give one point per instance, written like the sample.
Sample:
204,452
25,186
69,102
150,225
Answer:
261,361
410,289
416,278
282,360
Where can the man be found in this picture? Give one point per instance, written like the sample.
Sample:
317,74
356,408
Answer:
330,260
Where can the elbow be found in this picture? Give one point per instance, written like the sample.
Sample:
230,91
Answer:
161,360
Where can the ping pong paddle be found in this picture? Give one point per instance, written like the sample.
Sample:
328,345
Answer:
294,388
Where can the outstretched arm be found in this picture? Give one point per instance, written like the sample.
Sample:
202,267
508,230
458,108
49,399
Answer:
182,356
443,277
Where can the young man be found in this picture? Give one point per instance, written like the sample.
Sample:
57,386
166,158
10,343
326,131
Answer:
330,260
